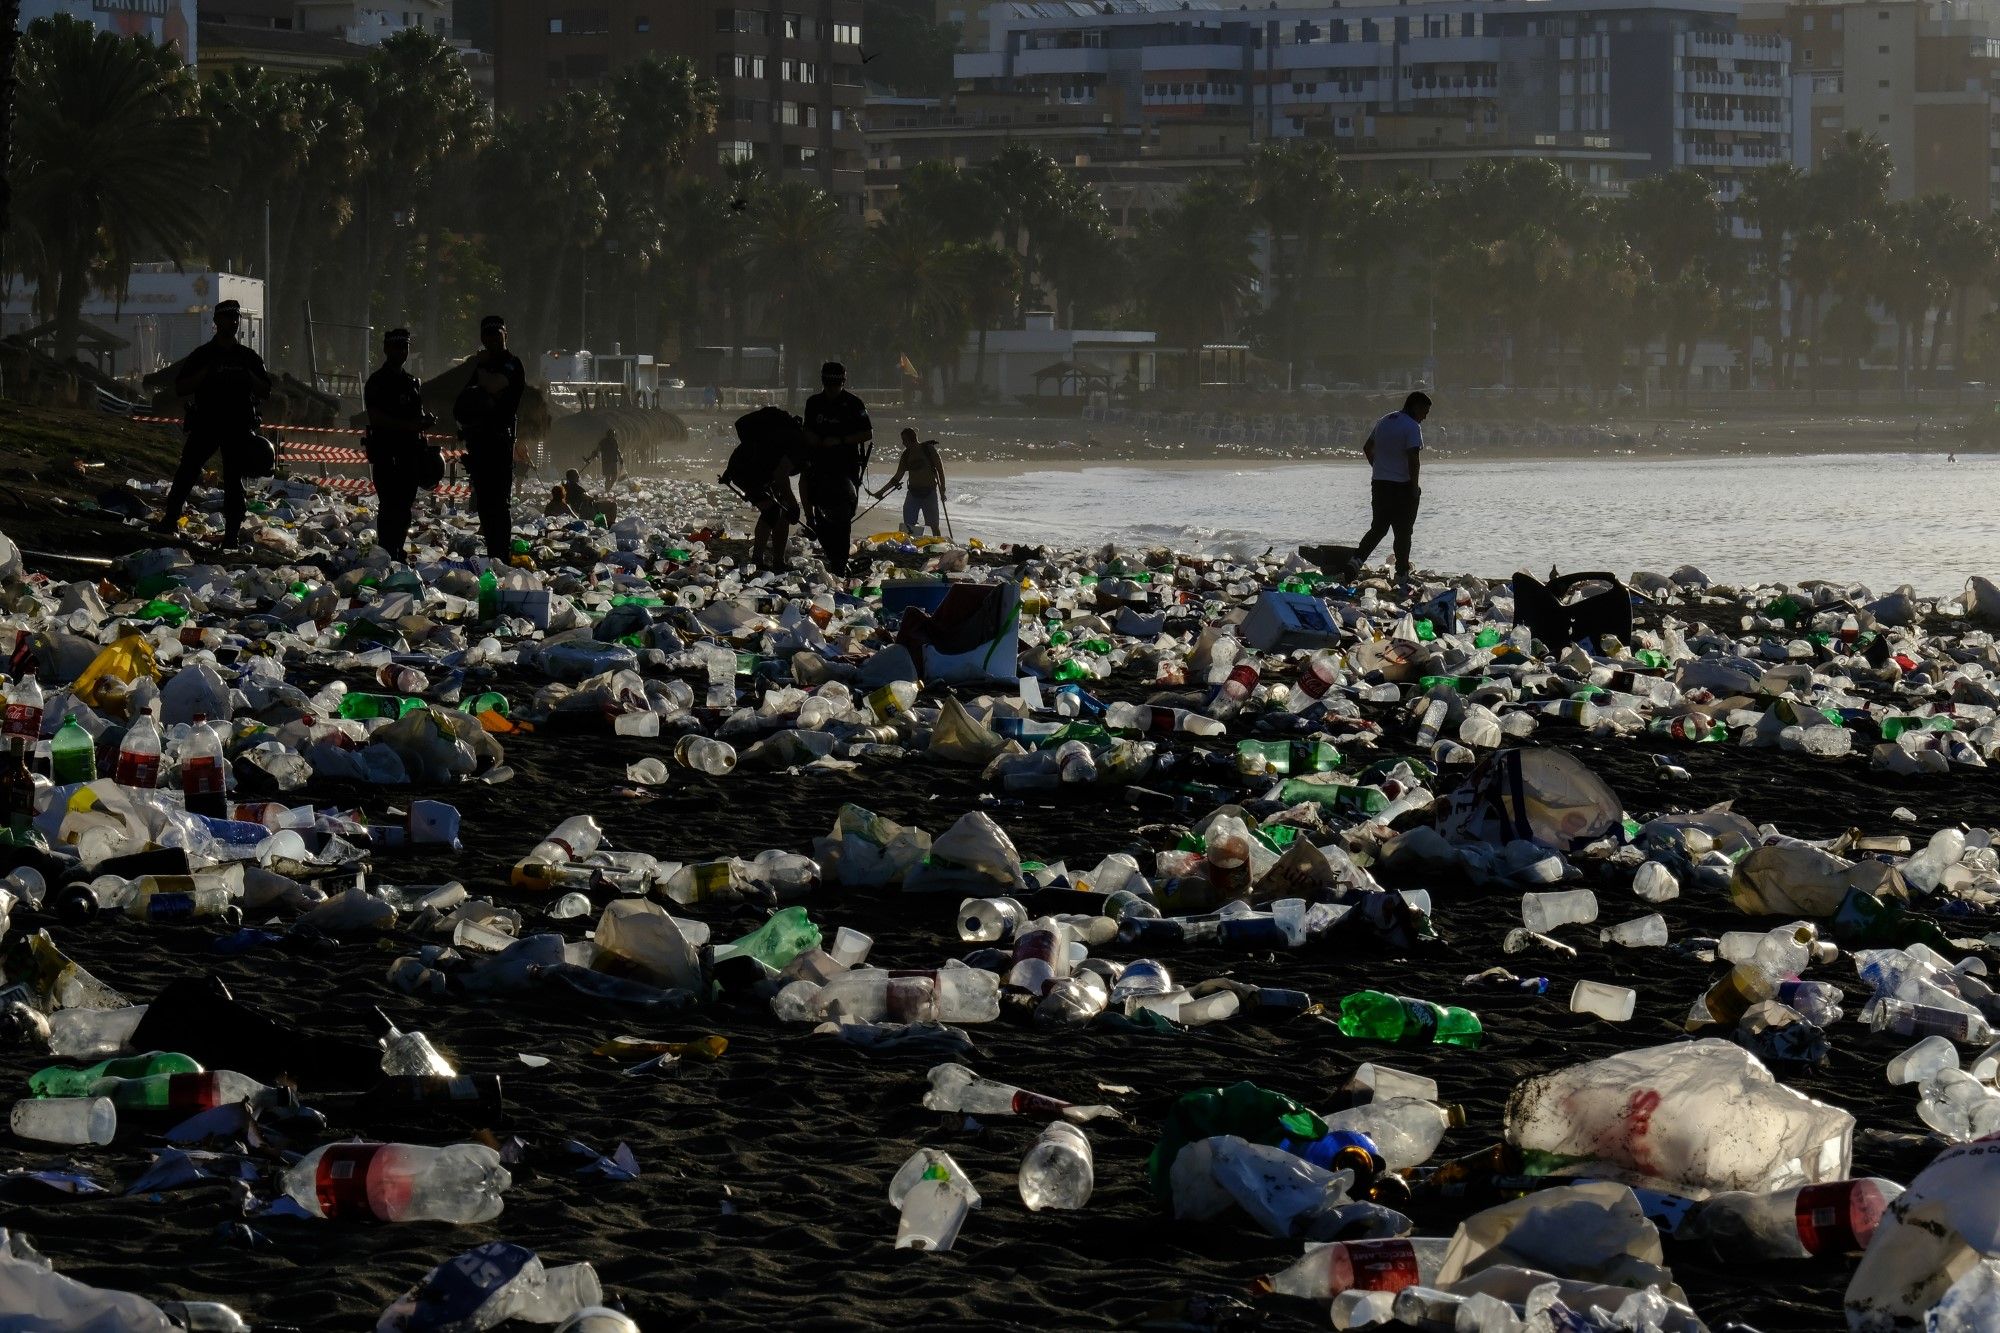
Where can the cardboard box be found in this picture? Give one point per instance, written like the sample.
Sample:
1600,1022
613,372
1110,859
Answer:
1289,620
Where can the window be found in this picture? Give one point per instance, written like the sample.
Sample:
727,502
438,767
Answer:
642,24
839,119
750,22
799,28
734,150
1881,50
747,109
739,67
1881,83
847,34
788,113
1807,23
586,21
555,26
811,116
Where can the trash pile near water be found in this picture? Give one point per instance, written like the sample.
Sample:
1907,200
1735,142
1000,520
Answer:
1306,767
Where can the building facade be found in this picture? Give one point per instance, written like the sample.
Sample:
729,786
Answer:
367,24
168,22
1610,86
1923,77
788,72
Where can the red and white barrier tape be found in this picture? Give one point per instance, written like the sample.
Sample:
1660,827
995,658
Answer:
282,429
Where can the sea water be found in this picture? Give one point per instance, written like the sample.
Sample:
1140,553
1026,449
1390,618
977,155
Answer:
1879,519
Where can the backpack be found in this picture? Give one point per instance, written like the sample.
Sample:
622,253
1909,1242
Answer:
765,435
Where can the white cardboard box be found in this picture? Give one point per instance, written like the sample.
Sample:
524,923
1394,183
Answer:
1289,620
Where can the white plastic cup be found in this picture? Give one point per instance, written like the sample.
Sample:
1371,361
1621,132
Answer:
850,947
705,754
1613,1004
1546,911
71,1120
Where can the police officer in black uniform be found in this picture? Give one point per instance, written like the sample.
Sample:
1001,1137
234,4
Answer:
396,425
225,381
837,433
487,411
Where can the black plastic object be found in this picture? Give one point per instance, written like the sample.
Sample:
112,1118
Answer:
198,1016
1541,608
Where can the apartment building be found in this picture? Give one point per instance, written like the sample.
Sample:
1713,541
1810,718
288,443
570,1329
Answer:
168,22
1613,87
1923,77
367,24
788,72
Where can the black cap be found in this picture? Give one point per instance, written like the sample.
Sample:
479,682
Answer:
492,322
833,370
228,308
396,336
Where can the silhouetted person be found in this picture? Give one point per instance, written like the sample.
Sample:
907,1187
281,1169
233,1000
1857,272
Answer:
611,458
925,470
1395,452
396,425
487,410
224,381
837,430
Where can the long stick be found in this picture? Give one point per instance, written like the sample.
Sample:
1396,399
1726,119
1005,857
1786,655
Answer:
949,535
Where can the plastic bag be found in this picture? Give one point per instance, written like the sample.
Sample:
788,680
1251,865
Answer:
963,739
647,943
127,659
1546,796
974,858
1704,1115
35,1296
864,850
1595,1231
194,689
1791,879
1279,1191
1944,1227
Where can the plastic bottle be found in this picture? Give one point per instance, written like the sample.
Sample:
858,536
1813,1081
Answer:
187,1093
1137,717
1542,912
407,1053
989,920
203,1317
956,1088
949,995
1888,1014
1655,883
17,793
72,1120
139,755
574,838
1320,673
1725,1002
1406,1131
1059,1170
1818,1002
1834,1218
704,754
400,1182
1366,1265
23,716
204,781
1041,956
59,1082
156,898
1378,1016
785,936
72,754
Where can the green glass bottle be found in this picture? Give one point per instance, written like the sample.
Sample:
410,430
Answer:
777,942
1374,1015
72,754
1486,638
59,1081
489,596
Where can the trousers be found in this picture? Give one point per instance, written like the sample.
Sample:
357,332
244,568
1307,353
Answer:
489,466
920,505
196,450
1395,505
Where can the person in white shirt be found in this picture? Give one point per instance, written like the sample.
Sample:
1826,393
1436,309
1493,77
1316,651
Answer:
1395,452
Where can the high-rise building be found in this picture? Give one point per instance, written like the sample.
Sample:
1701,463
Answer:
788,72
1921,76
1615,87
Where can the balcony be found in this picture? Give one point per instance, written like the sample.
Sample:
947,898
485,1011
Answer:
980,65
1062,60
1431,88
1317,55
1194,57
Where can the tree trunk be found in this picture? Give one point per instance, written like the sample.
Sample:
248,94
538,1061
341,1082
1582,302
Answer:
70,282
979,361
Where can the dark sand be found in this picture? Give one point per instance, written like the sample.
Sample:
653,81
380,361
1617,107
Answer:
762,1199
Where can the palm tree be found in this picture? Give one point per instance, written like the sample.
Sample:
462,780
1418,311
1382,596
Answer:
795,258
1197,257
1774,202
1023,182
920,283
702,235
1677,224
1297,188
664,107
957,201
105,140
992,276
